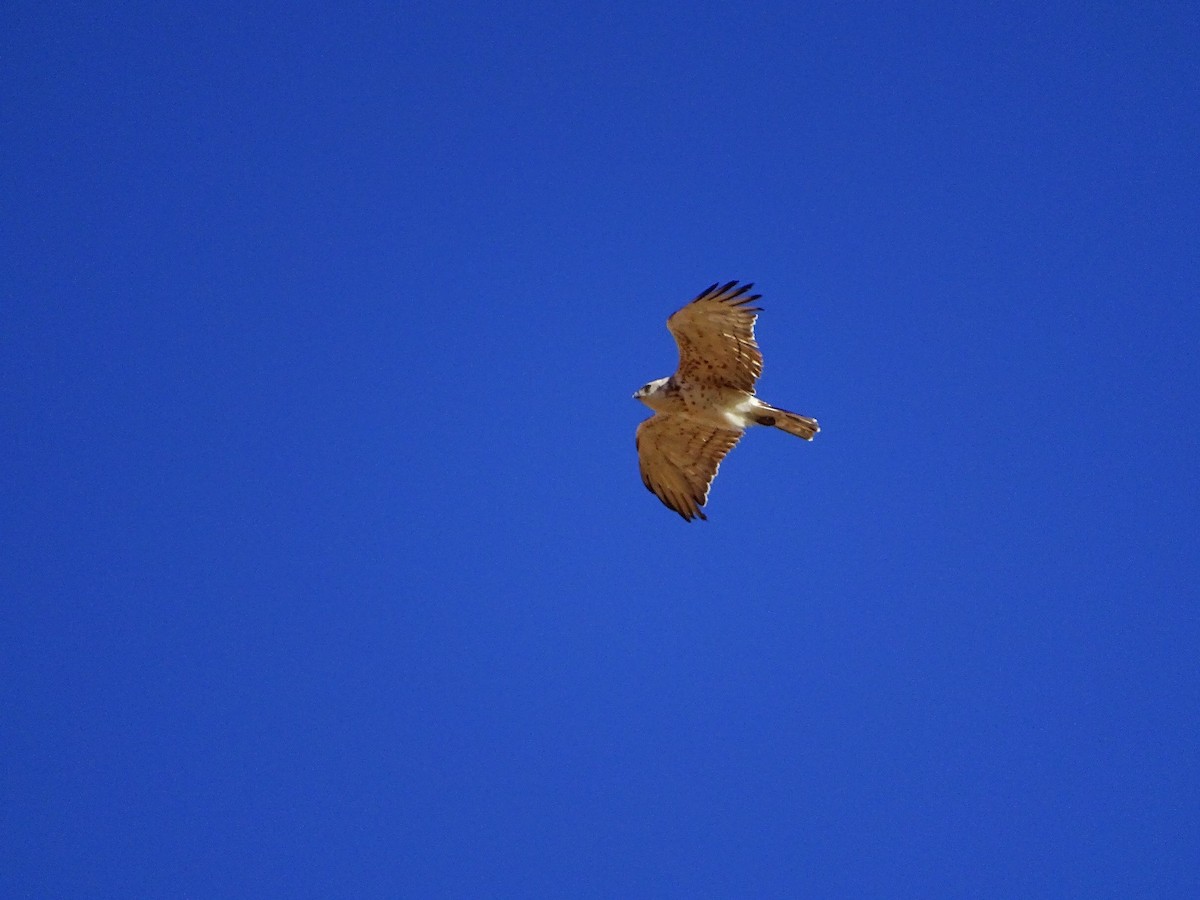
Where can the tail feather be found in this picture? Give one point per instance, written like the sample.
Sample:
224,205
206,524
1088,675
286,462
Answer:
800,426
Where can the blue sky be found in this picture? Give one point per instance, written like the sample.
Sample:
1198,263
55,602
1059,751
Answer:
327,569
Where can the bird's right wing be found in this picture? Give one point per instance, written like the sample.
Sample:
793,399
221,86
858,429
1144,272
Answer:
715,334
679,459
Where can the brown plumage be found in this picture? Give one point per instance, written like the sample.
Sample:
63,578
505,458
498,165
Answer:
684,458
704,408
715,334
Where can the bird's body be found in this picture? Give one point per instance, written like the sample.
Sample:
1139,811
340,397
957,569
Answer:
713,404
703,409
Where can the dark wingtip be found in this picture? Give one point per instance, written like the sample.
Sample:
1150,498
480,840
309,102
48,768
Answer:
736,298
740,297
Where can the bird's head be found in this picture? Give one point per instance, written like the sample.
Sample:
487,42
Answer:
649,390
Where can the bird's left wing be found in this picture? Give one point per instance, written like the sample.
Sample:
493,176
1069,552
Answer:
679,458
715,334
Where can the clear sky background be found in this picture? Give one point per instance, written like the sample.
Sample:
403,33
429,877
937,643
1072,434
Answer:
327,569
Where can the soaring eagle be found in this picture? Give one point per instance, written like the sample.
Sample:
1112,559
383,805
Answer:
702,410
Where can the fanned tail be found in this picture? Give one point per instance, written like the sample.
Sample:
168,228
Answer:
800,426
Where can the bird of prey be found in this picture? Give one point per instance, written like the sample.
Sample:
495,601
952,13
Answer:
702,410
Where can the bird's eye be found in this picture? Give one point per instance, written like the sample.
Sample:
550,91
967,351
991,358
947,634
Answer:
645,387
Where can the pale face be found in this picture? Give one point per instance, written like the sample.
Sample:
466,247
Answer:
647,391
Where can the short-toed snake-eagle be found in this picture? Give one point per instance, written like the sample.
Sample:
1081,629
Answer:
702,410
